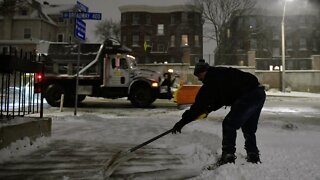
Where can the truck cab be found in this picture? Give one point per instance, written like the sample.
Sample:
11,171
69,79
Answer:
105,70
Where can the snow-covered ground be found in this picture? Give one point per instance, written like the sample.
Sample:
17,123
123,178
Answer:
288,138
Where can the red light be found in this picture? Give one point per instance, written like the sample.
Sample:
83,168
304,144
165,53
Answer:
39,77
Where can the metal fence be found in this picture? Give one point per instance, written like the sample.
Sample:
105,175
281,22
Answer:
17,77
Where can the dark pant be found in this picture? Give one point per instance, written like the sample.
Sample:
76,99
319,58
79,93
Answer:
244,114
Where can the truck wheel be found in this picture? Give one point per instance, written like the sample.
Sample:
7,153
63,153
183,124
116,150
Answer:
141,96
53,94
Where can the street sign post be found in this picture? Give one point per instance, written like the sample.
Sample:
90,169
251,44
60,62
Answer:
80,33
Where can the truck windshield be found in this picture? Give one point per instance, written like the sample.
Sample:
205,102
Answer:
132,62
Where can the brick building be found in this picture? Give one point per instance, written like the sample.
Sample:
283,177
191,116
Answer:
260,31
162,34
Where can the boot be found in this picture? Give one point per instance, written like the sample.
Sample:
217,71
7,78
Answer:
253,158
224,159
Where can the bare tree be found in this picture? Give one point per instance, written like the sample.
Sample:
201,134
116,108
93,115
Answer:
108,29
218,14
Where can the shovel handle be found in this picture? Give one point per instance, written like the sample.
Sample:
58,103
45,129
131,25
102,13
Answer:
149,141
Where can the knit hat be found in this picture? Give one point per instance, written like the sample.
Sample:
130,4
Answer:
200,67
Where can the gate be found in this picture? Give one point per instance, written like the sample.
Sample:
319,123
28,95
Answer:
18,71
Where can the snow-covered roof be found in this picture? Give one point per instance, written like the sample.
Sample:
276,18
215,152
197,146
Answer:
57,9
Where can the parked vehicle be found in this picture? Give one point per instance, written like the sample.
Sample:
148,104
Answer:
106,70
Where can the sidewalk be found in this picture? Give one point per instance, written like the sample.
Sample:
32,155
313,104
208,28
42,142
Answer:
273,92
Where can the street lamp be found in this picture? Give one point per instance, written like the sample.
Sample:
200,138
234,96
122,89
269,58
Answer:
283,47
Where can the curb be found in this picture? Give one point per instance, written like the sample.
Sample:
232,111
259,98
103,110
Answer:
21,127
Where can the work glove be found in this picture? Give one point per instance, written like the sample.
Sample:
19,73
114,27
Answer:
202,116
178,126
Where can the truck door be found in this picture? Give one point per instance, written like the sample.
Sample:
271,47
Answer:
117,71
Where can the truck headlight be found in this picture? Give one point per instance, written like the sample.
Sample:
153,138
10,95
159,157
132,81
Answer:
154,84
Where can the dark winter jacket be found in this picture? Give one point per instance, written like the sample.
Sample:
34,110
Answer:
221,87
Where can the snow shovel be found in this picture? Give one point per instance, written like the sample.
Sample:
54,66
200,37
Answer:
123,156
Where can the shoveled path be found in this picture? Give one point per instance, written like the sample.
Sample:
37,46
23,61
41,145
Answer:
82,160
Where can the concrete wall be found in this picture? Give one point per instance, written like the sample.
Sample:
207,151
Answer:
296,80
21,127
185,71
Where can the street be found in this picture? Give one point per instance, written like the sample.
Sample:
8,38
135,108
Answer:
81,145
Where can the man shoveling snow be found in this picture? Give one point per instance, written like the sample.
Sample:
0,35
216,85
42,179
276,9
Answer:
242,91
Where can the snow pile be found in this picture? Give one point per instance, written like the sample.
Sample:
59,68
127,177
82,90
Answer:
285,154
22,147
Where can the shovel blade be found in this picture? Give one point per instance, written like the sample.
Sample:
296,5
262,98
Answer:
115,161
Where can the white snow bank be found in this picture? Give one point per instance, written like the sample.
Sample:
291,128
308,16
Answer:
22,147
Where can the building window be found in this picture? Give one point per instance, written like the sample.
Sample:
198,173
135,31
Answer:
135,19
27,33
184,17
123,19
252,23
196,40
172,41
148,19
147,39
190,18
303,44
135,40
172,19
275,48
302,22
160,29
264,45
24,12
314,44
240,23
195,59
160,47
197,19
172,59
253,44
240,45
124,40
184,40
147,42
289,44
275,36
276,52
60,38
